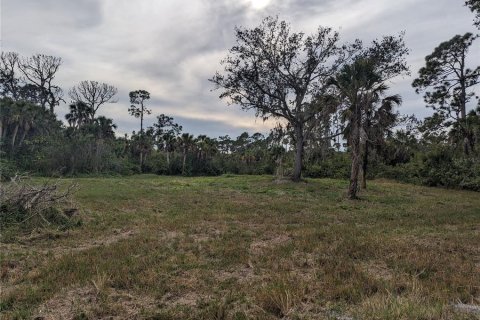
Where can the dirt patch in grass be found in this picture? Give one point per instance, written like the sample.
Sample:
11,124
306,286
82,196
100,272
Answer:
378,270
241,274
87,302
258,246
188,299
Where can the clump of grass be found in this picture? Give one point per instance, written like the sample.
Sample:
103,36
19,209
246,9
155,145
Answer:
281,296
100,282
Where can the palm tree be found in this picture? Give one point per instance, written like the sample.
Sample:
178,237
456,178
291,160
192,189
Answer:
79,115
357,85
16,120
379,117
201,144
186,142
106,128
29,115
168,145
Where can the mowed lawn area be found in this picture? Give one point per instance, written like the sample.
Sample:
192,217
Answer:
247,247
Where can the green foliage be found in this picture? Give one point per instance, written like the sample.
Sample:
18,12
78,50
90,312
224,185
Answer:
7,169
448,86
441,168
335,166
474,6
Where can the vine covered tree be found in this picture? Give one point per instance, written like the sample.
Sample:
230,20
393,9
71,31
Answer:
278,73
446,81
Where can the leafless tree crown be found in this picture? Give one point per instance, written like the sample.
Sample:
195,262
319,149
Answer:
93,94
40,70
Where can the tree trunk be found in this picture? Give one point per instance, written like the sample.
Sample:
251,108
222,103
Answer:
25,132
355,155
299,142
14,137
184,161
280,167
365,166
1,128
98,144
468,141
141,160
168,158
72,164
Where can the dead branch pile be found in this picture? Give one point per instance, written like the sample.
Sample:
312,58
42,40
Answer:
21,201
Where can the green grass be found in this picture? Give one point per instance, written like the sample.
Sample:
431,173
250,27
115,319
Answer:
245,247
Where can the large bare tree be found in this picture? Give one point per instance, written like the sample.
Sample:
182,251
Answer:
278,73
94,94
9,81
40,70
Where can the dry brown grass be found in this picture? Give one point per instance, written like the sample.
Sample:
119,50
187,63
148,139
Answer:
248,248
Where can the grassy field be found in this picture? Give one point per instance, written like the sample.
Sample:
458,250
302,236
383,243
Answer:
245,247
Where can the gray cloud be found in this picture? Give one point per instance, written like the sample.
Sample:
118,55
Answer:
172,47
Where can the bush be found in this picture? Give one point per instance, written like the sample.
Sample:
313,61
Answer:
440,167
7,170
470,183
337,166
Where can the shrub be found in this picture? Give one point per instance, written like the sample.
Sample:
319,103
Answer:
7,170
336,166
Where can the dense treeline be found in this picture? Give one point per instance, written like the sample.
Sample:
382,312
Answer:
337,115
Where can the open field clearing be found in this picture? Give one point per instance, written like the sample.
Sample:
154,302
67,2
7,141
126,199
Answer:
246,247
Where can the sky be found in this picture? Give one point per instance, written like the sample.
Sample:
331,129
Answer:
172,47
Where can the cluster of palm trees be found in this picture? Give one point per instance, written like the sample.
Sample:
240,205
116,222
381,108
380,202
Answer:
202,148
366,110
19,119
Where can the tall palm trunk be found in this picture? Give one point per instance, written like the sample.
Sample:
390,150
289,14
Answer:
469,140
24,134
1,128
355,154
14,136
184,160
365,166
366,150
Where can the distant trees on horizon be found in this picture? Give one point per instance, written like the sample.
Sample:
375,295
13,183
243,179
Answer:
324,91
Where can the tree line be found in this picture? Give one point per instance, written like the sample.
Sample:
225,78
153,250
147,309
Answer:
337,116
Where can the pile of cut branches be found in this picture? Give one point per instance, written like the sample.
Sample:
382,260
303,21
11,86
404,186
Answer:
35,205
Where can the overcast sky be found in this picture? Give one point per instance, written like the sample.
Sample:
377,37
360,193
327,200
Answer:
172,47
